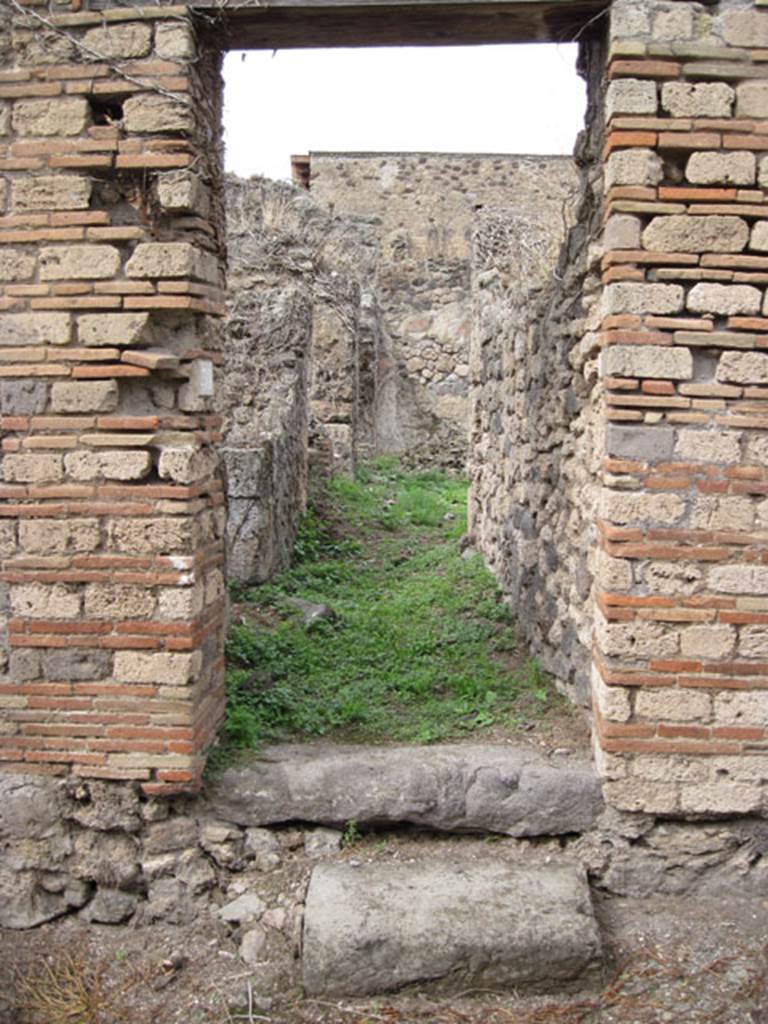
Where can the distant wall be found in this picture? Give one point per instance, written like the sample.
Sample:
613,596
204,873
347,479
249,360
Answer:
425,205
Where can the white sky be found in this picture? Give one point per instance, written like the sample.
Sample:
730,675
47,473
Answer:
464,99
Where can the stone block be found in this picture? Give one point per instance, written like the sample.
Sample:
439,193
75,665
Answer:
640,507
34,328
76,664
32,469
612,574
637,794
762,174
710,642
646,444
149,112
670,704
658,362
724,299
16,265
497,926
7,539
759,239
709,446
626,297
117,465
629,20
674,24
159,668
186,465
62,116
622,231
716,512
700,99
743,368
712,168
631,96
114,329
5,118
171,535
753,643
20,397
182,192
634,167
84,396
721,797
737,707
171,259
613,702
739,579
51,192
752,100
78,262
118,601
174,41
691,233
38,601
179,602
120,40
748,28
631,641
59,536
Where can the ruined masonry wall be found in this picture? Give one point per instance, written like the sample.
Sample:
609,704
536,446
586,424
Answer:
110,302
425,205
681,637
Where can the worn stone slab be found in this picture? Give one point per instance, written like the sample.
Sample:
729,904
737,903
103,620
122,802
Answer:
512,790
383,927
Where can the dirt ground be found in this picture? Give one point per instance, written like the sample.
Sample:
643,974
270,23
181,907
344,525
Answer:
666,960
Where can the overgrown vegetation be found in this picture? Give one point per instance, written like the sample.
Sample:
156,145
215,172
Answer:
419,646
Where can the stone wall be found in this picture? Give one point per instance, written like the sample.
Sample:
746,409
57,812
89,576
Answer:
425,205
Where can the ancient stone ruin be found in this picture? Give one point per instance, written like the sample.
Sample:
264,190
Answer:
618,394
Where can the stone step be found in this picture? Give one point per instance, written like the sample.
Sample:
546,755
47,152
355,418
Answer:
513,790
379,928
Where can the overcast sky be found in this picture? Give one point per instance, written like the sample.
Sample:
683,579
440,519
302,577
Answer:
470,99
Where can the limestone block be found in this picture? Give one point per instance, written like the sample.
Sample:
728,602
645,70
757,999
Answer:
148,112
702,99
32,469
63,116
159,668
174,41
759,240
627,297
84,396
634,167
762,174
653,361
179,602
637,794
630,96
34,328
16,265
670,704
635,640
638,506
725,299
182,192
124,39
752,99
690,233
709,446
612,574
78,262
726,798
171,535
622,231
629,20
739,579
38,601
743,368
674,578
650,444
708,642
675,24
171,259
113,329
710,168
747,28
717,512
186,465
59,536
51,192
118,601
753,643
7,539
117,465
5,117
612,702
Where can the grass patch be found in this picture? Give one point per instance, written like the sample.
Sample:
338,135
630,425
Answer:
421,647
